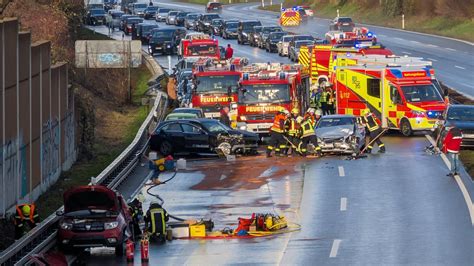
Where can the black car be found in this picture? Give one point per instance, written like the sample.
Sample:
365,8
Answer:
122,20
253,35
244,29
344,24
130,23
229,29
143,32
162,41
272,41
201,136
216,26
180,18
204,22
262,36
190,21
150,12
94,17
462,117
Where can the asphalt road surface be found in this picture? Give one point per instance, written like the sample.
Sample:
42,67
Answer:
390,209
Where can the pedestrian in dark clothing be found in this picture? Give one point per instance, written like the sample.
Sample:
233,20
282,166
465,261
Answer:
229,52
224,118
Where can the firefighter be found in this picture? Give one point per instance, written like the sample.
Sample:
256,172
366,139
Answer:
26,218
276,133
308,135
155,221
315,97
330,99
137,212
374,131
293,128
323,101
317,116
310,114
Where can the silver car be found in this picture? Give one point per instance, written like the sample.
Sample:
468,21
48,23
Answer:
282,46
190,21
161,14
171,18
340,134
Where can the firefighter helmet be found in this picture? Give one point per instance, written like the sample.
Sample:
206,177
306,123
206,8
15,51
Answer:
285,112
295,111
318,112
26,210
327,84
310,110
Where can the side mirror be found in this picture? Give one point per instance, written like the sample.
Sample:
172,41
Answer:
59,213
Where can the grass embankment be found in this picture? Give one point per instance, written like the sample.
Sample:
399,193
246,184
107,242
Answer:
439,25
116,127
467,158
224,2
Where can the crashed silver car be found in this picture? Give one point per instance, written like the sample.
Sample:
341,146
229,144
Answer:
340,134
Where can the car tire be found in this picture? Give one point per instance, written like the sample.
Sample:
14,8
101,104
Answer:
166,148
405,128
120,247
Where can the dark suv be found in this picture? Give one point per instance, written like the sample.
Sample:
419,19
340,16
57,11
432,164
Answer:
245,28
344,24
204,22
164,41
272,41
229,29
143,32
94,216
94,17
262,36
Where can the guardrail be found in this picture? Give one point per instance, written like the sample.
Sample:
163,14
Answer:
43,237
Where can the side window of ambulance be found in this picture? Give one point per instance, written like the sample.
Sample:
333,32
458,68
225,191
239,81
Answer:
395,95
373,87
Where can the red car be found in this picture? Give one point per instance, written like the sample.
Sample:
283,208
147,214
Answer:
94,216
213,7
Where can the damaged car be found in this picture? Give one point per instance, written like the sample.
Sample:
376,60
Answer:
201,136
94,216
340,134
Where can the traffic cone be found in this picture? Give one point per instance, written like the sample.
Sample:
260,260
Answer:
144,246
129,251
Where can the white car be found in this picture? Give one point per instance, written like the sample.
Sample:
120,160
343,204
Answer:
171,18
282,46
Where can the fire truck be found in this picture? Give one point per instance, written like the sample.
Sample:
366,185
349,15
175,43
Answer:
289,17
215,85
401,91
319,58
199,48
266,89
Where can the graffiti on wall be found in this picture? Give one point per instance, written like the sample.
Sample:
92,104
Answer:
69,136
50,150
11,168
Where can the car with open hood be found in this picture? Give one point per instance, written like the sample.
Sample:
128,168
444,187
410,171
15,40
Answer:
94,216
340,134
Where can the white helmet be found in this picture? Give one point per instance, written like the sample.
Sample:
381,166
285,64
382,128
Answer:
310,110
299,119
318,112
286,112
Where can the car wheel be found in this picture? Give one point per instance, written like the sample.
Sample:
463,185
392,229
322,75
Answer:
166,148
405,128
120,247
225,147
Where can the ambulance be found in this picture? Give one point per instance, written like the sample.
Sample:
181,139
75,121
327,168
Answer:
402,92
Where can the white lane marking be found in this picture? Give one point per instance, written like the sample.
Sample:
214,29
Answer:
381,35
431,59
343,204
432,45
460,67
341,171
462,187
406,53
334,248
450,49
415,42
396,38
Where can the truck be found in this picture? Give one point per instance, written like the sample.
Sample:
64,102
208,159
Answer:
215,85
289,17
199,48
402,92
266,89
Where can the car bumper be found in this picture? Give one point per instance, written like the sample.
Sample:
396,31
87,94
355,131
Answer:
336,147
107,238
258,128
422,123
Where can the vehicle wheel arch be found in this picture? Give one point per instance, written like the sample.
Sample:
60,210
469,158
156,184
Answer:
406,131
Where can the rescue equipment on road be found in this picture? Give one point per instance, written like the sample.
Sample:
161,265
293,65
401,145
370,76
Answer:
144,248
129,250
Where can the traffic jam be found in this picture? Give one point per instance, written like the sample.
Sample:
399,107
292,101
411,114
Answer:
335,96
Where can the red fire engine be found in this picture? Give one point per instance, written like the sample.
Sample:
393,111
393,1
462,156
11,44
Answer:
200,48
215,84
266,89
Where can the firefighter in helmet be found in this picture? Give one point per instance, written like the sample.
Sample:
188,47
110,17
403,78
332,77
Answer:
155,221
26,218
374,130
293,128
308,135
277,131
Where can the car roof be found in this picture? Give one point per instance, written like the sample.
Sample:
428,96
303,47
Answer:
186,108
337,116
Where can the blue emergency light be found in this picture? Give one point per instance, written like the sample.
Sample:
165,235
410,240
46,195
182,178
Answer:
245,76
232,67
370,34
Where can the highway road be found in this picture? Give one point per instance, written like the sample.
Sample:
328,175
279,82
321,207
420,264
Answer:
391,209
453,60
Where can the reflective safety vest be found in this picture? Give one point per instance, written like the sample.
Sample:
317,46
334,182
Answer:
324,96
157,215
371,123
33,217
307,128
293,127
279,123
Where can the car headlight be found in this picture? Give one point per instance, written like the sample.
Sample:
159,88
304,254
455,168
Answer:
243,127
65,226
243,118
418,113
207,23
245,34
168,46
110,225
